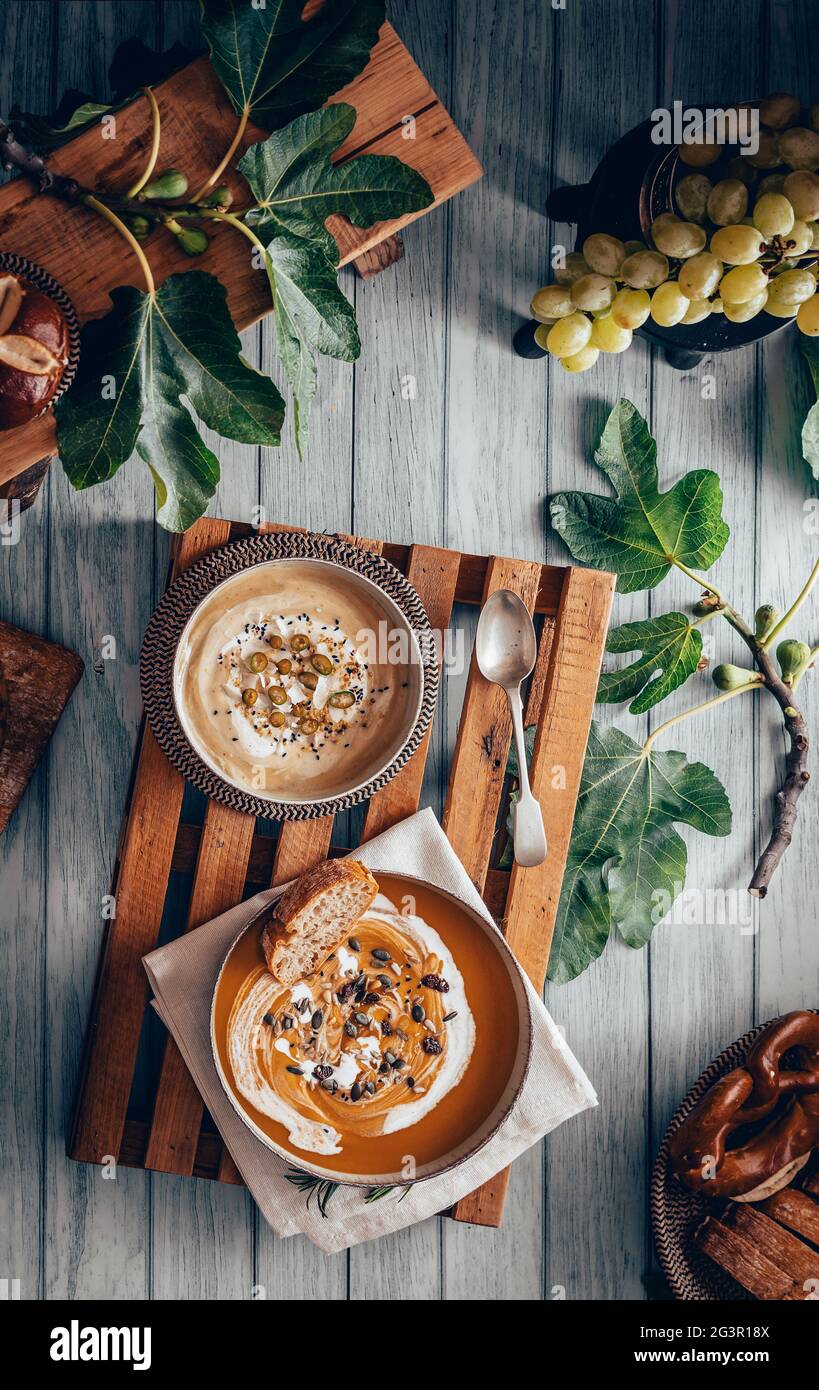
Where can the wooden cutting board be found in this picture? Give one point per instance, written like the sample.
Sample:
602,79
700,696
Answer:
393,100
36,680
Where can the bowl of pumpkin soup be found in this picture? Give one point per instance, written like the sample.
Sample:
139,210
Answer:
396,1059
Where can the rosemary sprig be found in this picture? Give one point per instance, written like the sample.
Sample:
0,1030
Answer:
323,1189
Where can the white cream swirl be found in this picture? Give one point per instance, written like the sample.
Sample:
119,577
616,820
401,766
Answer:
364,1045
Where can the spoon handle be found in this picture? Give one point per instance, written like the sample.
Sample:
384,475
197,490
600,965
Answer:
528,833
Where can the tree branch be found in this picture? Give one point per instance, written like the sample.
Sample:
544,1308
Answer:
797,775
13,155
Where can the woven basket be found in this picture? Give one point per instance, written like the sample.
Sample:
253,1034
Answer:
677,1213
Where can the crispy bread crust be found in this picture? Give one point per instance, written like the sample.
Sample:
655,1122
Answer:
326,876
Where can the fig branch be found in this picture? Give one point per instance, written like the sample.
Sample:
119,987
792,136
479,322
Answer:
150,202
794,658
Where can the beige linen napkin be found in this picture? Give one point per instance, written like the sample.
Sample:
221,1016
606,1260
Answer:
182,976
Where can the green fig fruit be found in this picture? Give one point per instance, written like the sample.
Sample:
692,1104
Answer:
728,677
140,226
193,241
793,657
170,184
766,619
221,197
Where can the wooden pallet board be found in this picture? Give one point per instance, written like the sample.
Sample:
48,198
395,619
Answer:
226,856
88,260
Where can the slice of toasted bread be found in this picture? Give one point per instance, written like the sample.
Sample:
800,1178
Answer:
314,915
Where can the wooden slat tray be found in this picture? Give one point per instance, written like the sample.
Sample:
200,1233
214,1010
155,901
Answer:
227,857
81,252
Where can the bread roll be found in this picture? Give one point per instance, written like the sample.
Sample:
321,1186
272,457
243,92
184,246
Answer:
314,915
33,351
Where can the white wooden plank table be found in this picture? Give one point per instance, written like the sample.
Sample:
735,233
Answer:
441,435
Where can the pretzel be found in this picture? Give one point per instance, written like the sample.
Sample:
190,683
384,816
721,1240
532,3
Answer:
778,1108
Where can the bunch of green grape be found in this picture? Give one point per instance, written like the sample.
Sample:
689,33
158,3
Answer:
737,245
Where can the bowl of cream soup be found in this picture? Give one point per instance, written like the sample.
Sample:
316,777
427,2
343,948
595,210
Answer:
396,1060
290,675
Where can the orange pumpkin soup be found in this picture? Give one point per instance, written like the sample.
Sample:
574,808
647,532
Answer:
401,1044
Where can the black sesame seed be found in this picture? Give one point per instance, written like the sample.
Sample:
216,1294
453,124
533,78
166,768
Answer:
381,954
448,1017
354,943
355,1091
297,1071
317,1020
410,1081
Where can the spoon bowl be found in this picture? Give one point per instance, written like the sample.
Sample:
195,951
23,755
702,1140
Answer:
505,643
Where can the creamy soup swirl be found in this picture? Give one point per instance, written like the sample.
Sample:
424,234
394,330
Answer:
368,1045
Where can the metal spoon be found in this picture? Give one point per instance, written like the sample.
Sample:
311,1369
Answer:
506,648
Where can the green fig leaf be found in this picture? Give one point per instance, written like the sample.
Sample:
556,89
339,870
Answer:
311,315
276,65
133,66
640,534
75,112
627,863
810,429
136,364
671,648
297,188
